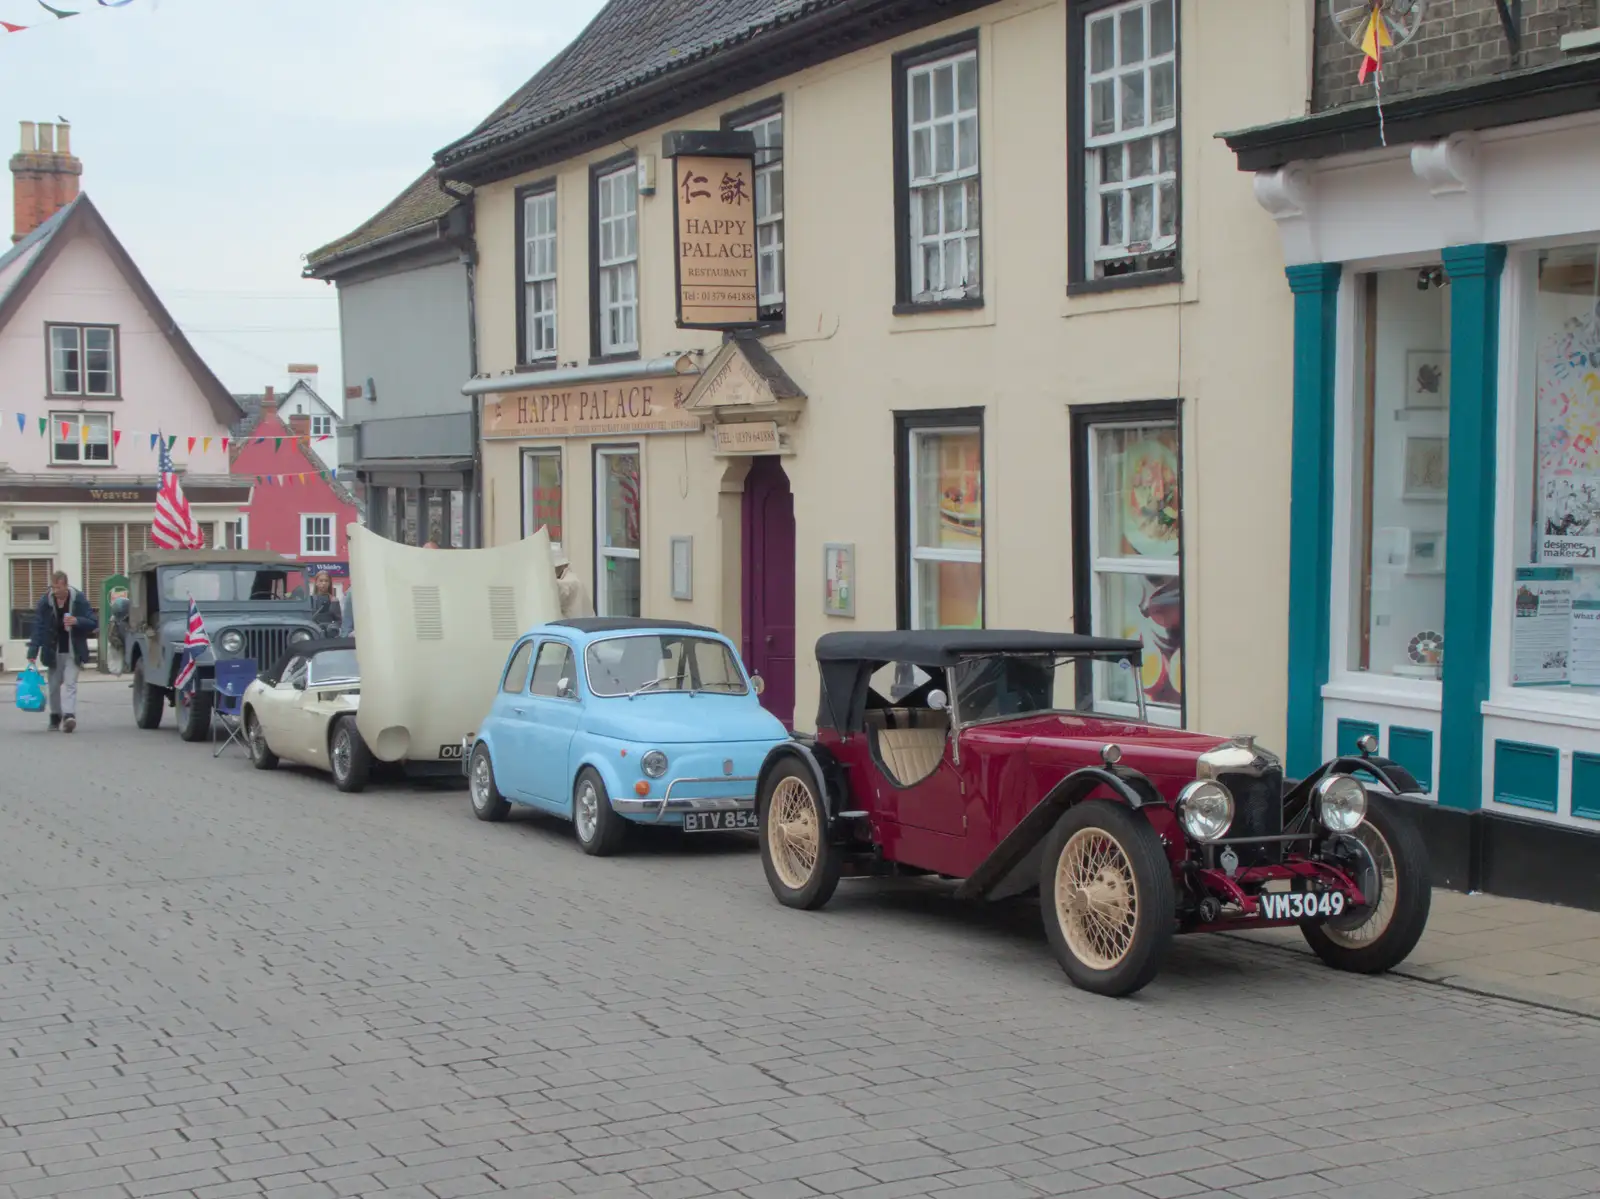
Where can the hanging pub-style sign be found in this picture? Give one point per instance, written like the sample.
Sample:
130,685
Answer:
714,206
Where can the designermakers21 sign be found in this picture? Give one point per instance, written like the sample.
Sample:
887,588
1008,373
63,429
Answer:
715,199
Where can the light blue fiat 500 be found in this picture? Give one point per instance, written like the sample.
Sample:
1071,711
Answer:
611,722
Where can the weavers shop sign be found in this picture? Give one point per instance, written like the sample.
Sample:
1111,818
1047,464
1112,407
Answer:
714,198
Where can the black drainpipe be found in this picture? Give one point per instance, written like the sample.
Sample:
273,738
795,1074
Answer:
469,259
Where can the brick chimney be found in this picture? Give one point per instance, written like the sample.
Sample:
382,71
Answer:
300,426
44,175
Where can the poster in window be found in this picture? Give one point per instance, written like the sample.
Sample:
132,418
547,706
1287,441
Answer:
1427,379
949,520
1541,630
1146,499
1568,380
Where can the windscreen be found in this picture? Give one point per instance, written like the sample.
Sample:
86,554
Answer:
1006,685
334,666
231,585
661,662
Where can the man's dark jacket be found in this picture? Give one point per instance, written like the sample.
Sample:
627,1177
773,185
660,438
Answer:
43,644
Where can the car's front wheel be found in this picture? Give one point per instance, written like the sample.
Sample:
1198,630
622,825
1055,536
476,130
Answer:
148,701
487,802
1380,935
802,867
348,756
194,713
255,739
1107,897
601,832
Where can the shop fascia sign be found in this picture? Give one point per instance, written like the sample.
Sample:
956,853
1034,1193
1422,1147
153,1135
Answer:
714,222
607,408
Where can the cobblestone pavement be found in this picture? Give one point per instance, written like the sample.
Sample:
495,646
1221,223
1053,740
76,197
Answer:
218,982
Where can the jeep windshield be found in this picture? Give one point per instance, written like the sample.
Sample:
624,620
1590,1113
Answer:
660,663
232,585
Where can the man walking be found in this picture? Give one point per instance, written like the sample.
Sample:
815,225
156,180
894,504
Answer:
61,627
574,596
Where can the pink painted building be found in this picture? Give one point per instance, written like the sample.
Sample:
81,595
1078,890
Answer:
300,513
92,369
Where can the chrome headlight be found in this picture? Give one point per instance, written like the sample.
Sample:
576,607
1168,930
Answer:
1341,803
654,763
231,642
1205,809
298,636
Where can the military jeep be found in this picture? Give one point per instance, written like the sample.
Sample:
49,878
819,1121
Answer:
254,604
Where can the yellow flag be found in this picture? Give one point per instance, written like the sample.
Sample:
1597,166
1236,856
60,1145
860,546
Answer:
1375,40
205,444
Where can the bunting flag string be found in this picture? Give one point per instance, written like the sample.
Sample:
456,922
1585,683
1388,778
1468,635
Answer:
61,14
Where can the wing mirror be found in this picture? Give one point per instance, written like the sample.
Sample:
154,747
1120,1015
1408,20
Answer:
938,701
563,688
758,684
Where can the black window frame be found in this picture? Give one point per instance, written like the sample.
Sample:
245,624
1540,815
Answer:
1080,278
1083,419
597,355
901,64
905,424
83,392
520,196
772,106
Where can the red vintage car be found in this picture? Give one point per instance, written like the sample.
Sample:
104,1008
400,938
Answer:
948,753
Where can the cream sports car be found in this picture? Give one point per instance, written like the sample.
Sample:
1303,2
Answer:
304,710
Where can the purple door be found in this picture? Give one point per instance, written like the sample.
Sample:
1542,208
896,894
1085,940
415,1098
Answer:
769,584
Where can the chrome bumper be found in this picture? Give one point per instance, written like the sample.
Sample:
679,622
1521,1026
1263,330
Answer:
634,806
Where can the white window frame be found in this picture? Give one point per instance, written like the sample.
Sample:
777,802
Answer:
78,442
920,554
307,535
539,243
1102,565
242,523
1123,142
768,132
617,259
531,455
963,181
321,425
79,336
602,513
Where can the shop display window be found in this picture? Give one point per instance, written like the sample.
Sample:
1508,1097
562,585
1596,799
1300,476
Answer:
1131,579
617,590
541,493
1400,473
1555,601
946,505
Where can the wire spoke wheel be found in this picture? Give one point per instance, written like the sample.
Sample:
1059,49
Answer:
1097,898
1380,908
341,753
793,836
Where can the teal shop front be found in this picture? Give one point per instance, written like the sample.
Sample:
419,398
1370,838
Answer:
1445,521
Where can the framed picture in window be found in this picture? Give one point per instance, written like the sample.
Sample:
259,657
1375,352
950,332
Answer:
1427,469
1427,554
1427,379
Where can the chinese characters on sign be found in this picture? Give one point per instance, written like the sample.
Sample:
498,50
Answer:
716,241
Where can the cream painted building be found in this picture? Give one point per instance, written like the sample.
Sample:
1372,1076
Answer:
1027,352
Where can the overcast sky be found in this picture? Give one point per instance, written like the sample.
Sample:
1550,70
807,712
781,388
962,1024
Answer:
224,139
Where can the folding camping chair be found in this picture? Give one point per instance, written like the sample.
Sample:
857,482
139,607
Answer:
227,706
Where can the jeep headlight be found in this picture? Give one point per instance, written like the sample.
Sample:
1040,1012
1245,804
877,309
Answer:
231,642
298,636
1205,809
1341,803
654,763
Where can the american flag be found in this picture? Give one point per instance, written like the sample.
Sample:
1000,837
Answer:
174,526
195,643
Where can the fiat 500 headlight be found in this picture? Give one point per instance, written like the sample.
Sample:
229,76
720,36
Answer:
1341,803
299,635
231,642
1205,809
654,763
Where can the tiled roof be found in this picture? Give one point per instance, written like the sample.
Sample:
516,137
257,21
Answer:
40,235
252,413
627,44
426,200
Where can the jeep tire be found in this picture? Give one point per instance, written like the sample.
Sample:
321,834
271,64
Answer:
148,701
194,713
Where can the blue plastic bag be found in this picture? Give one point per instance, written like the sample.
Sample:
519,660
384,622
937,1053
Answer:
30,690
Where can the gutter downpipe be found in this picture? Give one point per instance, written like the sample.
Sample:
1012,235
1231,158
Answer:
469,258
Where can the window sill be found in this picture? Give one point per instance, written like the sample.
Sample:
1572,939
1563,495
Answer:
82,466
912,308
1547,708
1092,287
1391,692
544,364
605,359
79,397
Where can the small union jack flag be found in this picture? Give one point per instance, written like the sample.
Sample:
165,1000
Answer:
195,643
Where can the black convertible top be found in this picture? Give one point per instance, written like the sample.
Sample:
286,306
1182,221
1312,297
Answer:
303,649
946,647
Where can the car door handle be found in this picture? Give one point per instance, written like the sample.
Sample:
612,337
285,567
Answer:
518,711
